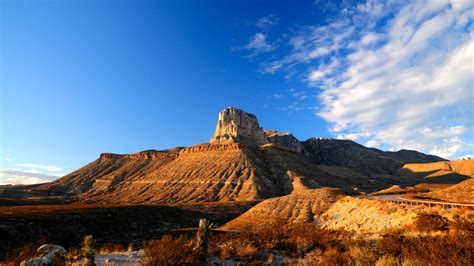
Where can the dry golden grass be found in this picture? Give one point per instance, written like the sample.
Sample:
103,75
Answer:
364,216
111,248
461,192
387,260
169,251
311,245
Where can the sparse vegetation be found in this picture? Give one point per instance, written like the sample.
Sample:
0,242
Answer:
433,240
25,252
169,251
111,248
436,237
309,245
87,249
425,222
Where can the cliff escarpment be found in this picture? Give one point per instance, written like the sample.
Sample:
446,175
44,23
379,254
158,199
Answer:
242,162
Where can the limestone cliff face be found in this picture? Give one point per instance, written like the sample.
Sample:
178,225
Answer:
140,155
243,162
211,147
235,125
286,140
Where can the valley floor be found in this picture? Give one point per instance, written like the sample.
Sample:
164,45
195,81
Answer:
352,230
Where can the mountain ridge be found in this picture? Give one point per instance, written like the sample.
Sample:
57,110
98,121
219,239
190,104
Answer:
242,162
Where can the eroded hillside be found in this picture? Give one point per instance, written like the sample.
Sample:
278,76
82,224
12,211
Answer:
242,162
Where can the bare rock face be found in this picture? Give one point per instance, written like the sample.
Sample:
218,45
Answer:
243,162
140,155
286,140
235,125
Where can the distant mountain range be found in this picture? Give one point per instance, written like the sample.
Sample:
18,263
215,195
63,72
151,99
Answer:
242,162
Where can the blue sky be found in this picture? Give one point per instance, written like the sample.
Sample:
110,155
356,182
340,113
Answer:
78,78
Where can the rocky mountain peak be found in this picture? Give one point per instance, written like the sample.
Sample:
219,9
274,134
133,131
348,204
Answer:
236,125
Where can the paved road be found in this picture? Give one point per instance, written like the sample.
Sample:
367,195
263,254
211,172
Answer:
398,199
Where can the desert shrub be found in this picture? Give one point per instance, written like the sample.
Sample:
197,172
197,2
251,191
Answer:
272,236
87,249
411,262
313,258
462,223
59,261
387,260
224,251
247,251
238,246
169,251
456,249
452,249
328,249
111,248
462,211
334,256
361,255
255,244
430,222
73,255
391,244
25,252
330,256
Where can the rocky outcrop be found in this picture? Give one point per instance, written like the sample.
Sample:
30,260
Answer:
242,162
211,147
140,155
349,154
369,161
157,155
48,254
409,156
235,125
286,140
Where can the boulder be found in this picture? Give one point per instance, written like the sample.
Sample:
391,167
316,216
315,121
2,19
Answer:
47,254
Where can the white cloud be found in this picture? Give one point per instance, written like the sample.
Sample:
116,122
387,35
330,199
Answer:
276,96
28,173
301,95
400,70
323,70
372,143
259,44
48,168
354,136
15,177
267,22
466,157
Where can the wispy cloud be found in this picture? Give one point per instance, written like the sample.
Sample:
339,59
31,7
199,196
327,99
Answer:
276,96
28,173
258,44
16,177
265,23
391,74
49,168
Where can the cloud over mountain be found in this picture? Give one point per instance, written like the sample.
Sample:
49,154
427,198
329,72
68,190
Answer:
27,173
391,74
